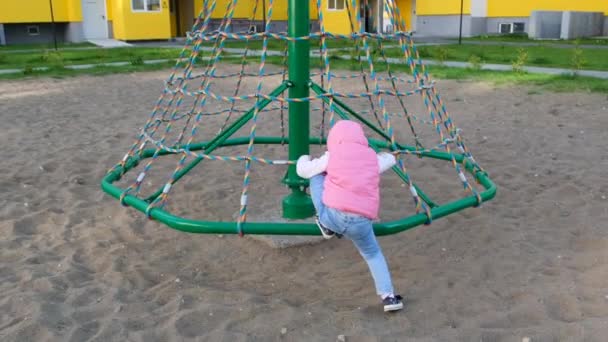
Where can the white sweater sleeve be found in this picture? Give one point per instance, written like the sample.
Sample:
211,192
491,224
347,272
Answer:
307,168
386,161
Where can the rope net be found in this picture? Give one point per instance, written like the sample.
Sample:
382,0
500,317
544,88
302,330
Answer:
226,74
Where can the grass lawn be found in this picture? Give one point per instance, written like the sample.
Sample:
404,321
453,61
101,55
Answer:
596,59
95,71
560,83
74,57
42,58
544,56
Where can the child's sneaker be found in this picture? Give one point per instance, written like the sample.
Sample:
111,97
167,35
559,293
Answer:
393,303
327,234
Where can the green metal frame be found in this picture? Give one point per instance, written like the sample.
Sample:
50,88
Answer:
210,227
296,205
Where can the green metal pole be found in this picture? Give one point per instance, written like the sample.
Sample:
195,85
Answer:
298,204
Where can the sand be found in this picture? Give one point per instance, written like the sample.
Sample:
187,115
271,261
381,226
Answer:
76,266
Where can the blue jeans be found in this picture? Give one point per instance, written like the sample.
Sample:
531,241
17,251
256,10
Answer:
358,229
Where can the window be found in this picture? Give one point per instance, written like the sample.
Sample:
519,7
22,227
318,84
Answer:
519,27
508,28
336,4
33,30
504,28
145,5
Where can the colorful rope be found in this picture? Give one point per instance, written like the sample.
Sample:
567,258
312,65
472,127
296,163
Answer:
178,104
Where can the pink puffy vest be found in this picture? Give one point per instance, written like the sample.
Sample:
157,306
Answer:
353,175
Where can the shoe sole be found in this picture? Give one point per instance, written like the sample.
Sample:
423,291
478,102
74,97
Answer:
325,235
393,307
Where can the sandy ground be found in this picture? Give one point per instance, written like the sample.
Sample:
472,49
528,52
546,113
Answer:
76,266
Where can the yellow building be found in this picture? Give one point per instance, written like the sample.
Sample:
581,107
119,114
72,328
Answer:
29,21
23,21
539,18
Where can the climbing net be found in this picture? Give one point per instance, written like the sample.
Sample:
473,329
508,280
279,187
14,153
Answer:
192,94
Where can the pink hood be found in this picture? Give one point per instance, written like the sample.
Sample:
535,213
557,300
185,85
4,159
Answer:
352,182
346,132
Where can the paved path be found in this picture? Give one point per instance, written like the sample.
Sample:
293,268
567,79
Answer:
504,67
109,43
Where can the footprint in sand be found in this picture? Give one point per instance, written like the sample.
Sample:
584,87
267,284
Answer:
85,332
197,323
564,308
25,226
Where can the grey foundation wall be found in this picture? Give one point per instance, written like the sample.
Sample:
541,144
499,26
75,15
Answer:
581,24
545,25
605,26
448,25
74,32
2,40
110,29
18,33
443,25
479,26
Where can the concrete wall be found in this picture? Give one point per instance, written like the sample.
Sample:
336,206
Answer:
110,29
443,25
2,40
448,25
479,26
540,25
74,32
545,24
566,25
581,24
18,33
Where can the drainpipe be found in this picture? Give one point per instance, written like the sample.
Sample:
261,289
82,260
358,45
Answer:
460,30
263,15
53,24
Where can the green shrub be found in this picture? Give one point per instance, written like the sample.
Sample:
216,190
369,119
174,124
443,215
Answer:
520,61
475,62
54,59
442,54
577,61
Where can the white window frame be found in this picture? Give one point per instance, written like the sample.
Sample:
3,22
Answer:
335,7
510,28
146,10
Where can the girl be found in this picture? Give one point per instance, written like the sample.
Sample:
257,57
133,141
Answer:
345,190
